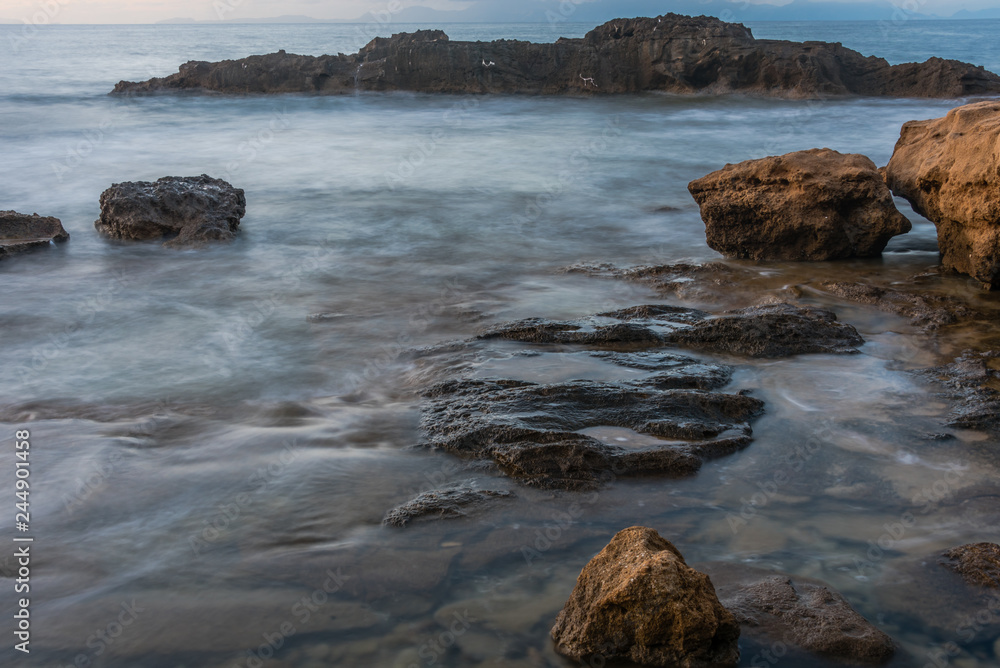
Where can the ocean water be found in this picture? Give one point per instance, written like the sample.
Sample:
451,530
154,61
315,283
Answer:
213,460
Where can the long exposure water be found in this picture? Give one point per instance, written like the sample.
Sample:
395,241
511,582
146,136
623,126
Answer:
214,460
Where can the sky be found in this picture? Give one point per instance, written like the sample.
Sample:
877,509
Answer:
151,11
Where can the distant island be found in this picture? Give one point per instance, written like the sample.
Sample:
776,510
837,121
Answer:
671,53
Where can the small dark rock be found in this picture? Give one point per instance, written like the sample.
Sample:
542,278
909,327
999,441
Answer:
806,614
449,503
20,232
184,211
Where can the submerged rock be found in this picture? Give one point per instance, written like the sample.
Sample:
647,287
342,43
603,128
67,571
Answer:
535,432
810,205
924,309
802,613
949,170
670,53
20,232
638,600
969,379
449,503
184,211
977,563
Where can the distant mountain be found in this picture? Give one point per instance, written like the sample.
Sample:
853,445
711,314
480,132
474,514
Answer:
965,14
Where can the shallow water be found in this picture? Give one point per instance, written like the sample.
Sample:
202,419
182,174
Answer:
207,450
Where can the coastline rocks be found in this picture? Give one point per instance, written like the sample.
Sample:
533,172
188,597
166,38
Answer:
924,308
535,433
670,53
774,330
807,206
977,563
184,211
450,503
949,170
806,614
638,600
20,232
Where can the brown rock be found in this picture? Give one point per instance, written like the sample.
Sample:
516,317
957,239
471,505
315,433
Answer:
810,205
184,211
671,53
805,614
20,232
978,563
949,170
638,600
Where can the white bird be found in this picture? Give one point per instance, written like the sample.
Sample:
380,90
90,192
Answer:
244,65
488,64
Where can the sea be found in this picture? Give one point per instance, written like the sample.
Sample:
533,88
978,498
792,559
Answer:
216,433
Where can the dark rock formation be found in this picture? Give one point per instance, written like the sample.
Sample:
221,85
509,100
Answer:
20,232
806,614
924,308
449,503
949,170
978,563
638,600
777,330
534,432
184,211
672,53
712,282
969,380
810,205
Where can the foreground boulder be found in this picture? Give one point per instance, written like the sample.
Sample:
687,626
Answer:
638,600
802,613
810,205
183,211
978,564
949,170
670,53
20,232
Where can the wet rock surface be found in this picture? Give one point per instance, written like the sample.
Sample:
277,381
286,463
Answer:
184,211
776,330
969,381
638,600
925,309
670,53
949,170
799,612
532,432
448,503
20,232
977,563
810,205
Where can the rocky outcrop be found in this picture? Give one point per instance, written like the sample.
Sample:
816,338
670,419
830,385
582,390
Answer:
805,614
450,503
949,170
639,601
535,433
924,308
978,564
670,53
20,232
775,330
810,205
183,211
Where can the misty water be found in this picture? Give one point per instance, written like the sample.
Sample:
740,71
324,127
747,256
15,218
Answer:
217,433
